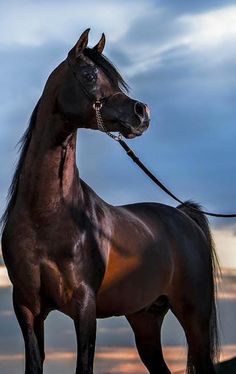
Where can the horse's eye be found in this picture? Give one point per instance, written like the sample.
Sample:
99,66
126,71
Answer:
90,77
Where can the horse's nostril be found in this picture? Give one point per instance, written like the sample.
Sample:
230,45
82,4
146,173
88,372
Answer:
139,109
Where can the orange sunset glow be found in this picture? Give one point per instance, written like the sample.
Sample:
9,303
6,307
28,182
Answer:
115,360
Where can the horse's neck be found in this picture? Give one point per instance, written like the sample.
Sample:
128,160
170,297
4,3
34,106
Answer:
49,178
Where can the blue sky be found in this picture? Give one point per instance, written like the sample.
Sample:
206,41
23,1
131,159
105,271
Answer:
179,57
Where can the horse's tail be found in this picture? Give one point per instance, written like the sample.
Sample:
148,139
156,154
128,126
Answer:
193,210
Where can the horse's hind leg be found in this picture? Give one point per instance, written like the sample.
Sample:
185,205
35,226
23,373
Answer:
147,330
197,331
199,351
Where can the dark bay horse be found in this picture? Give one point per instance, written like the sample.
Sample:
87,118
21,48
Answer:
66,249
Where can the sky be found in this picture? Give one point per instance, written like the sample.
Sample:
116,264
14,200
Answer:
178,56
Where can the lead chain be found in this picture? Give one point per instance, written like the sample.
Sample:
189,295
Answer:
97,107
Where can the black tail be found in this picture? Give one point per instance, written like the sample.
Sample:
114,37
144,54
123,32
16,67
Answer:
193,210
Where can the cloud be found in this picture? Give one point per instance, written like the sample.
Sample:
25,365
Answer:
4,280
211,29
164,37
225,241
34,24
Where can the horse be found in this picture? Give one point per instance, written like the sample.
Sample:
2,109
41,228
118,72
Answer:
68,250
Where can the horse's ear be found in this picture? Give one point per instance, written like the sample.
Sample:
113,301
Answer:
101,44
80,45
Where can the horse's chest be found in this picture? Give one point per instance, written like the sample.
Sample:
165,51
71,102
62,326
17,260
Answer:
27,252
50,263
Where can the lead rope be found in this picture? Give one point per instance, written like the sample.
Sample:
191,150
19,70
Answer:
97,107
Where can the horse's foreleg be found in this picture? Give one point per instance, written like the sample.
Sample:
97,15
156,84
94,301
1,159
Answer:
33,344
85,326
147,330
39,332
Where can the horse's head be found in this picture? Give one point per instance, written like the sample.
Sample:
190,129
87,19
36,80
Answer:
93,86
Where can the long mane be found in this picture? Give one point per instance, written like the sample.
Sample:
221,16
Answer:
23,148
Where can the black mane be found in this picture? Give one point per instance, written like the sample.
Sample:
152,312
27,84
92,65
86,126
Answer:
109,69
23,147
